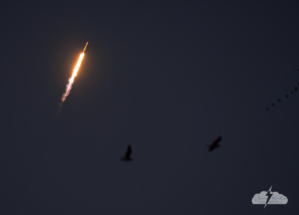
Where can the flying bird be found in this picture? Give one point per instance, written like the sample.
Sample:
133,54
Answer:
295,88
273,105
215,144
127,156
279,100
287,96
291,92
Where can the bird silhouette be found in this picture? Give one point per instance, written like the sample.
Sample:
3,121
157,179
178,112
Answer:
279,100
127,156
273,105
215,144
292,92
287,96
295,88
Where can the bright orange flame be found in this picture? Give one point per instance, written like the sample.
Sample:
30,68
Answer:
71,80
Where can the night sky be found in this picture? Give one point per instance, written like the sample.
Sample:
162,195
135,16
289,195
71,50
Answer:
166,77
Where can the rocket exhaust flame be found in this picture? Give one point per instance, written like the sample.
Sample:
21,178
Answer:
71,80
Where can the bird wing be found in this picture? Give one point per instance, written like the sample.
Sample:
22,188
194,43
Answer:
217,140
129,151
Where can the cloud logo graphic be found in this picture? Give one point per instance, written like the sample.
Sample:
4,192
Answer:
275,198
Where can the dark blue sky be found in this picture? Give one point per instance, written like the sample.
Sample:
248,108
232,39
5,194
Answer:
167,77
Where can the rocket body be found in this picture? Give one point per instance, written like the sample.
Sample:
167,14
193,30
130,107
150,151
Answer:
85,47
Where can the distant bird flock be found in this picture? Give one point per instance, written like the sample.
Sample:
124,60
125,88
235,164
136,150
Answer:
292,91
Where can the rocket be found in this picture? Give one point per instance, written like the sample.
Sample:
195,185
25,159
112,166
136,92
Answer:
85,47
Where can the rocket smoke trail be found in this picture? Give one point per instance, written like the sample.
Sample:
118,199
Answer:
71,80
